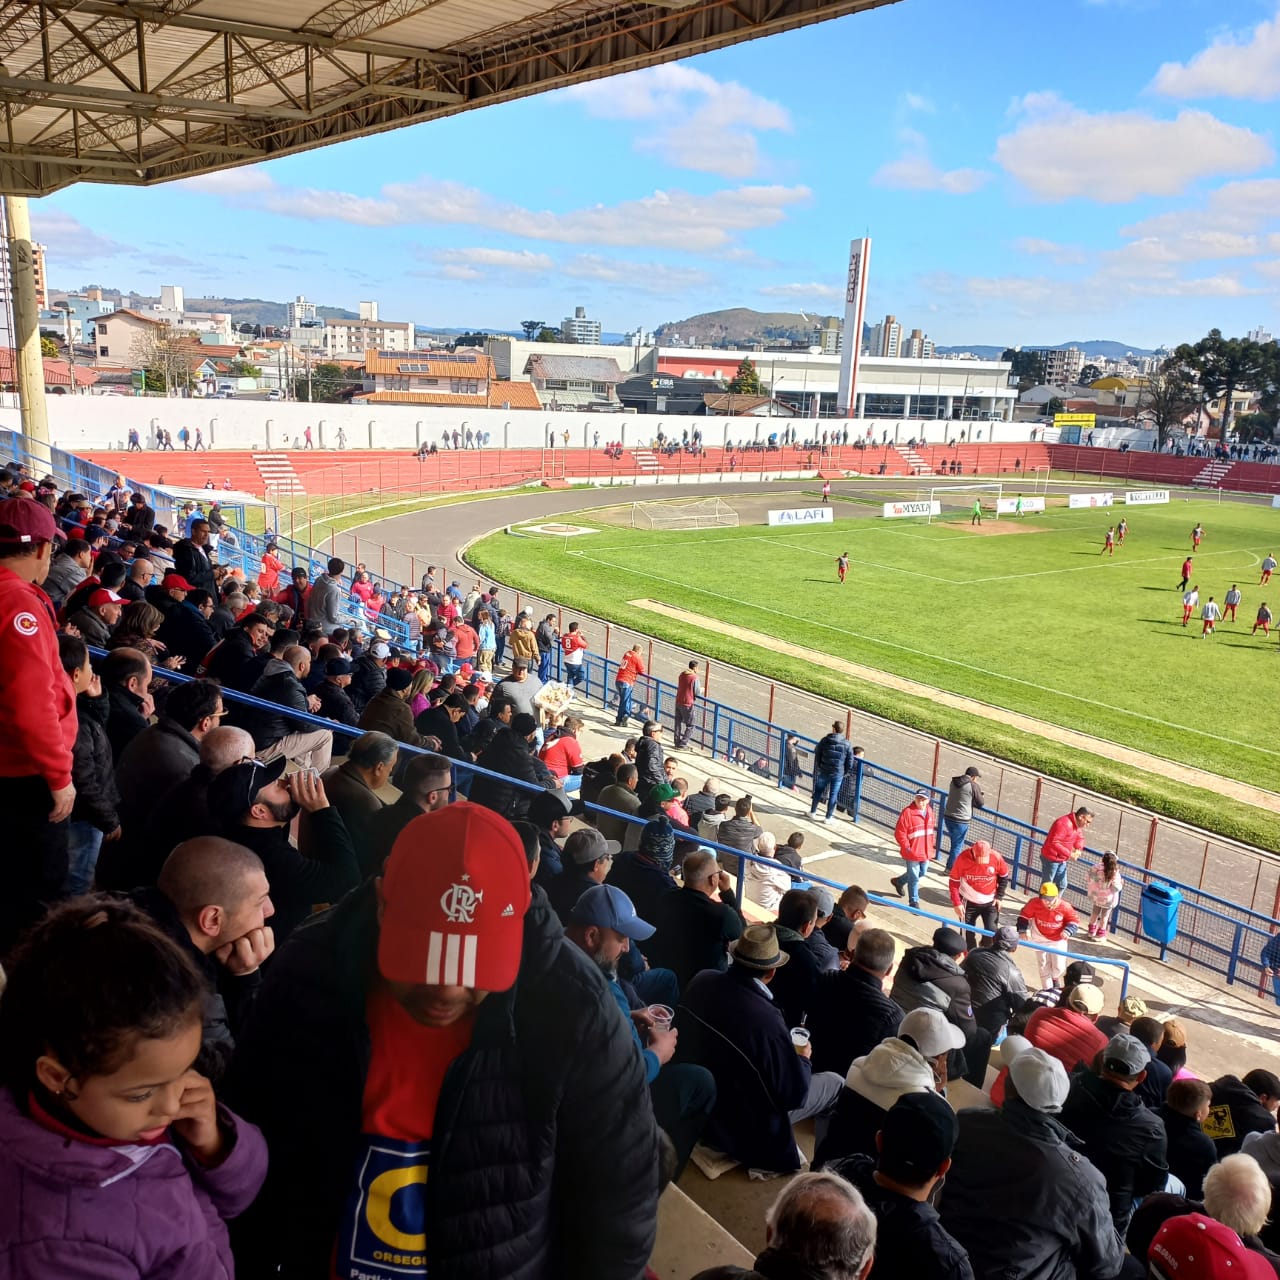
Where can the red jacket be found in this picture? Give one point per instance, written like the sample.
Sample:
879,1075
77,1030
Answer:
687,689
269,576
37,705
915,833
981,881
629,668
1064,841
563,756
466,640
1064,1034
1051,919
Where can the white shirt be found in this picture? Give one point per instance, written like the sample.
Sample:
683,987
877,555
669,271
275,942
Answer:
1211,612
1191,599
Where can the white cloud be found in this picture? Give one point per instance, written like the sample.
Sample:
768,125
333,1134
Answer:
503,260
231,182
915,170
1270,269
1064,254
68,239
918,102
804,292
1233,66
704,124
1060,152
674,220
643,277
1234,221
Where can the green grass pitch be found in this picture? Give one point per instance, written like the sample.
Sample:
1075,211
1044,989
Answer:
1034,621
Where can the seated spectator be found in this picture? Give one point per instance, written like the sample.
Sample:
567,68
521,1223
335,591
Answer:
739,832
1018,1198
1191,1153
710,822
511,755
764,884
100,1025
1240,1107
126,680
1124,1140
164,753
1173,1050
139,624
1130,1007
848,919
795,987
998,988
1192,1244
562,755
819,1227
551,812
913,1153
95,814
729,1024
1152,1090
1068,1034
696,923
826,956
586,859
187,630
98,617
212,898
621,796
596,777
871,1086
369,675
353,786
644,875
229,661
255,807
68,569
388,712
332,692
931,977
700,803
441,721
604,923
281,682
426,786
851,1013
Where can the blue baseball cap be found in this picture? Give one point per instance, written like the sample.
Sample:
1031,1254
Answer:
607,907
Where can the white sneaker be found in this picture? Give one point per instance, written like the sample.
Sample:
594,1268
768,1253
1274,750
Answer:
824,818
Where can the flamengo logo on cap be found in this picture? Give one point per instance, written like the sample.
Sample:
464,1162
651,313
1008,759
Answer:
459,903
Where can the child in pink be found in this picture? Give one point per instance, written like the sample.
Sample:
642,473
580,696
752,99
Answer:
1103,887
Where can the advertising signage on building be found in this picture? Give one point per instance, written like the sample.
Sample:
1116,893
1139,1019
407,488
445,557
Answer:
803,515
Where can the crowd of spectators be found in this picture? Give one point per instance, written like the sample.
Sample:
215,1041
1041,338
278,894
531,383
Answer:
252,1004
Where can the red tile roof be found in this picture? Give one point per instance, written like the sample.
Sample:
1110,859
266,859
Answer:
56,372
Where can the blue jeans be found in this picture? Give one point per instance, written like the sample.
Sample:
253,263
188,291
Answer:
574,675
912,872
826,786
84,842
1056,872
544,667
957,829
571,784
625,693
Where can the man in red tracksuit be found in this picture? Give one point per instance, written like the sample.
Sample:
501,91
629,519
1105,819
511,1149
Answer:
979,880
624,682
37,721
1062,845
916,837
1048,921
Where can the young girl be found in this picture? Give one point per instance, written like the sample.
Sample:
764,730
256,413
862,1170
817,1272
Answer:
115,1158
1103,887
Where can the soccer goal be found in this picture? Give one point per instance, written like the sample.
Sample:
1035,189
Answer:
694,513
957,500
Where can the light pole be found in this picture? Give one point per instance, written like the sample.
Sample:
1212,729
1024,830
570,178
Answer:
66,309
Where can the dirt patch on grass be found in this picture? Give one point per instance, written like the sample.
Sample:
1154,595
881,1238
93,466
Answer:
994,528
1027,724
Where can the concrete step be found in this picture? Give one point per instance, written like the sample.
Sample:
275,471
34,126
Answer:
690,1240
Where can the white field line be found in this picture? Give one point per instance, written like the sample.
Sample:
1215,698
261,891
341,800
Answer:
813,623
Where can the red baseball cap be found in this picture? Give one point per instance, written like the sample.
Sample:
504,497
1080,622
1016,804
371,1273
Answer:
456,890
103,596
1195,1247
25,521
175,582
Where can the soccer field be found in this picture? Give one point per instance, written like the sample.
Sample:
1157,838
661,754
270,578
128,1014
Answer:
1021,614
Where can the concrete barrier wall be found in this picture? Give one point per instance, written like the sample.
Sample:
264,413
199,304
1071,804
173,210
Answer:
79,423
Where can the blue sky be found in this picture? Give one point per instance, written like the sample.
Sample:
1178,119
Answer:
1068,169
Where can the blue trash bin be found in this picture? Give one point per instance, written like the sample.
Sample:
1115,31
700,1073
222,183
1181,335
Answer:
1160,903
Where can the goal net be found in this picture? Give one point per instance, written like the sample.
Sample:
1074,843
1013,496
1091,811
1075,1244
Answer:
695,513
955,501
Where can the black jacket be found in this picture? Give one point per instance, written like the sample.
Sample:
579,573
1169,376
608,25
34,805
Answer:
1124,1140
97,798
158,758
228,662
124,720
910,1239
996,985
850,1016
565,889
1190,1151
1152,1090
795,985
649,758
193,563
510,755
832,755
1234,1110
928,979
852,1130
277,684
693,933
644,881
1023,1202
380,832
335,704
186,634
181,813
367,681
301,885
436,722
545,1116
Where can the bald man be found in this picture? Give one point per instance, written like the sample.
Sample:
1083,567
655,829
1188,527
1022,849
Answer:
213,900
282,682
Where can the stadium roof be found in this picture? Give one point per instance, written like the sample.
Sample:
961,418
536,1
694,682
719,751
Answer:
144,91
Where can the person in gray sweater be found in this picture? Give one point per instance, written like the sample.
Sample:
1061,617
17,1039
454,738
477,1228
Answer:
964,795
324,604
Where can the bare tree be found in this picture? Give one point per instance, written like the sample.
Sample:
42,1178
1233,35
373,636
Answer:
167,356
1168,398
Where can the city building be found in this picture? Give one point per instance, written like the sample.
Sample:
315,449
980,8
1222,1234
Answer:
886,338
301,314
918,346
42,279
1260,335
830,338
575,382
117,333
463,378
577,328
353,337
1062,365
677,396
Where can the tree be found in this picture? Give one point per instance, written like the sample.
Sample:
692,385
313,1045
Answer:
167,356
1028,367
1055,406
1089,375
1223,367
48,348
546,334
243,369
532,328
746,382
328,385
1168,397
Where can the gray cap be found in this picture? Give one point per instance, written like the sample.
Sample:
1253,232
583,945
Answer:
587,845
826,903
1126,1055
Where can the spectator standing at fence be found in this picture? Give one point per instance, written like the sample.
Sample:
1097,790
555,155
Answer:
37,719
916,839
832,759
324,603
688,691
1063,845
964,795
624,683
1049,921
1104,885
548,638
574,646
979,880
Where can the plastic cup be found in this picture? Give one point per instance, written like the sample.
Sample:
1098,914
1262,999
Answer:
800,1038
662,1016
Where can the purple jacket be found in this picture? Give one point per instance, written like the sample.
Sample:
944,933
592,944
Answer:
82,1212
